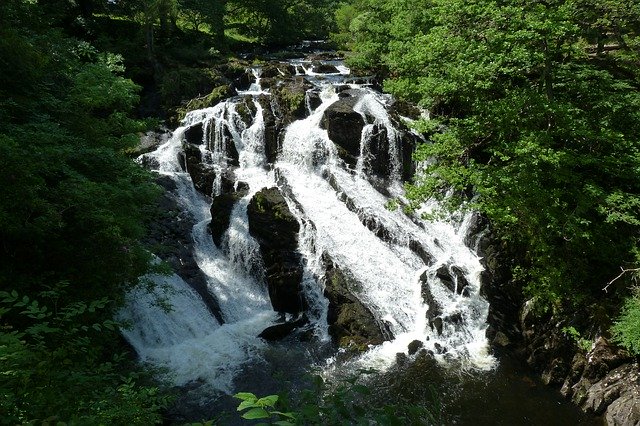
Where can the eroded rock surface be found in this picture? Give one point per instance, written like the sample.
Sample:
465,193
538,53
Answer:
276,230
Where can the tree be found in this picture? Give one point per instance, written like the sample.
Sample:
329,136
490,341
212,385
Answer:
72,212
526,126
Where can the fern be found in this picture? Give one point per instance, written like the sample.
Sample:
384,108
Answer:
626,330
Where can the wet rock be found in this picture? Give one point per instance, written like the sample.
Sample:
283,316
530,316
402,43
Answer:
350,322
168,237
453,279
203,175
291,100
280,331
276,230
313,100
275,71
321,68
408,146
401,359
454,319
221,209
434,310
244,81
150,141
379,160
437,325
194,134
344,127
415,346
406,109
439,348
421,251
475,237
272,128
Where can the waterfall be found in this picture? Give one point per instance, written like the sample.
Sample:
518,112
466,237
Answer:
394,258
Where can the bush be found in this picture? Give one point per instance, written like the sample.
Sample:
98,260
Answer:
626,330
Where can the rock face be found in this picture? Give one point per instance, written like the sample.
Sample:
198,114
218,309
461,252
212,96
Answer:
604,380
221,209
272,128
453,278
350,322
344,127
171,231
280,331
203,175
276,230
291,100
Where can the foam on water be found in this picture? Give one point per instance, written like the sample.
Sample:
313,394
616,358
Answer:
192,345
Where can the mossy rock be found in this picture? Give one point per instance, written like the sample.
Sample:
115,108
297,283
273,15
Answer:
217,95
291,100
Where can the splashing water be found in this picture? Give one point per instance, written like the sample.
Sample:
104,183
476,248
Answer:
340,214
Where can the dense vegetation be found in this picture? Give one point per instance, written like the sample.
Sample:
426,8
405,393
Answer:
534,121
73,205
72,208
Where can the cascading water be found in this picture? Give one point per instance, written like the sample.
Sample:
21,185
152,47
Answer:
405,269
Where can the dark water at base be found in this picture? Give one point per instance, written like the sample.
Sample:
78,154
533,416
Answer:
511,396
508,395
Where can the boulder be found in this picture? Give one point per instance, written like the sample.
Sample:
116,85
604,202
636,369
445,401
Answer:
221,208
344,127
434,310
603,358
419,249
350,322
276,230
203,175
194,134
453,278
408,147
280,331
272,128
313,100
415,346
291,100
321,68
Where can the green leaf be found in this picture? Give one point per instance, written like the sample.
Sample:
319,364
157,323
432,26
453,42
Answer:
289,415
246,404
256,413
246,396
267,401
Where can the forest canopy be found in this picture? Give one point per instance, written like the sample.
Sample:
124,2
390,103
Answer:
534,121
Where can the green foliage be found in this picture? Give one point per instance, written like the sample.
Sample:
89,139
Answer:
626,330
348,403
72,212
537,131
263,409
583,343
55,368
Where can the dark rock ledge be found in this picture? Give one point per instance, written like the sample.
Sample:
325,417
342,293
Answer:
603,381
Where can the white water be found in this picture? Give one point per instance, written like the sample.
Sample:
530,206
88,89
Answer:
192,345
